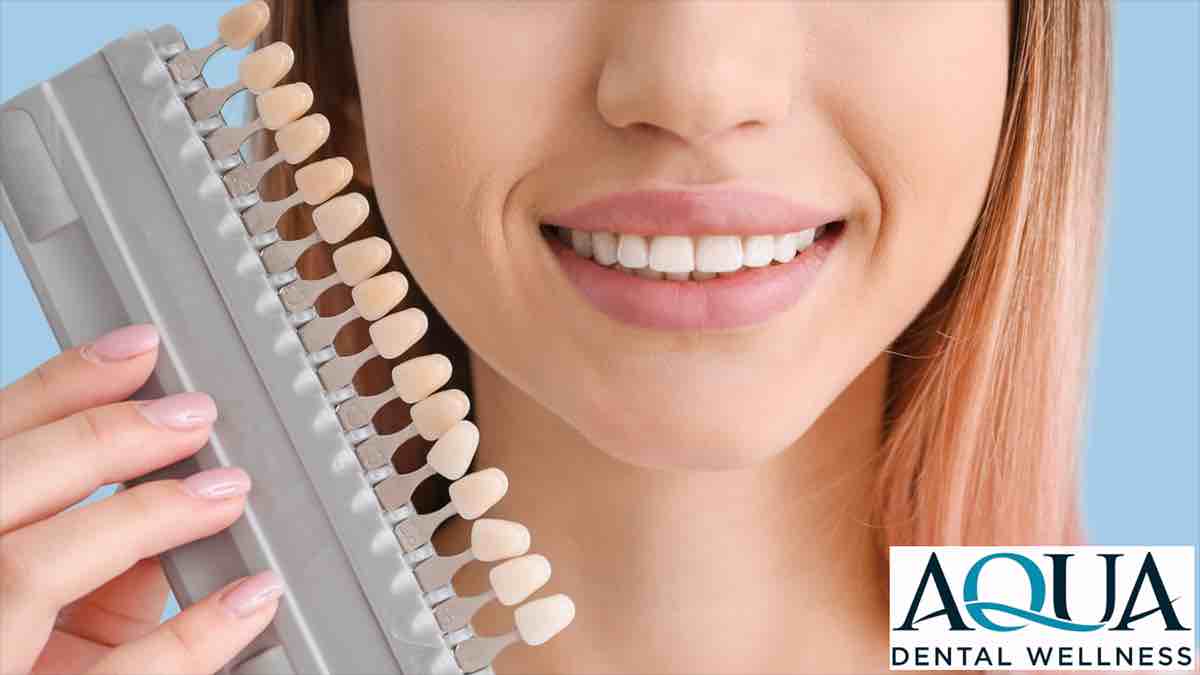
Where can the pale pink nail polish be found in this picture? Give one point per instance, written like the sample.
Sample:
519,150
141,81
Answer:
122,343
180,412
218,483
252,592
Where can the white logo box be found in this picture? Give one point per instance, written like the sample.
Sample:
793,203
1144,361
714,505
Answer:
1044,640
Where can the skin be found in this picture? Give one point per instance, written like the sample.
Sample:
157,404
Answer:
706,489
725,470
73,602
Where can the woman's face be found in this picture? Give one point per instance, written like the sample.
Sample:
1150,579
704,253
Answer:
486,120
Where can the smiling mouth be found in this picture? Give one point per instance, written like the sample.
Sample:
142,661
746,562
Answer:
689,258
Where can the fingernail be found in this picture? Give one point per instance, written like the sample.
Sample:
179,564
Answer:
252,592
181,412
218,483
122,343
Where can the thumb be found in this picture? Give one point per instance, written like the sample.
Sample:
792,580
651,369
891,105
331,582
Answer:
204,637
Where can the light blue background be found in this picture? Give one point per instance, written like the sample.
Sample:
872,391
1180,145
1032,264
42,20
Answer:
1141,472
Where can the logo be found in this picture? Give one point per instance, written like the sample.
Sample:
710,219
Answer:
1043,608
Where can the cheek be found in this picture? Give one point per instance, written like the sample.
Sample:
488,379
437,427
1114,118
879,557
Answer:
924,108
435,97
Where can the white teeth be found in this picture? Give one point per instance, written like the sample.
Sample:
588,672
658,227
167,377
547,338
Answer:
604,248
582,243
683,258
718,254
632,251
758,251
785,248
673,254
804,238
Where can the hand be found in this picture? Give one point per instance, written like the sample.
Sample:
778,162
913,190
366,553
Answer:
83,590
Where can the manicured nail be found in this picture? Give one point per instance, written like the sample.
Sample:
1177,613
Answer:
252,592
180,412
122,343
218,483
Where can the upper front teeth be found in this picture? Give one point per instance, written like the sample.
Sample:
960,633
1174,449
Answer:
679,255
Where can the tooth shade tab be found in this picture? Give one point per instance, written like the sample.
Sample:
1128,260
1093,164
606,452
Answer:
396,333
240,25
281,105
539,620
297,140
358,261
338,217
321,180
494,539
265,67
435,415
473,495
673,254
377,296
452,453
419,377
517,579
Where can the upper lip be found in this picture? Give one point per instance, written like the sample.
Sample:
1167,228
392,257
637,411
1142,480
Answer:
693,212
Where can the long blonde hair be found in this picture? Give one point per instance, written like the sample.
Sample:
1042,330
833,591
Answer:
986,386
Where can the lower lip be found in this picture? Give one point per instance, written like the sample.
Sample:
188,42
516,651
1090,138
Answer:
746,298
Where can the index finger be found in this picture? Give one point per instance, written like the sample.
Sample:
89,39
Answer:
106,370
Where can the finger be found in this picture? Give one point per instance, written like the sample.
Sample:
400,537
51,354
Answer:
48,468
66,653
53,562
123,609
204,637
109,369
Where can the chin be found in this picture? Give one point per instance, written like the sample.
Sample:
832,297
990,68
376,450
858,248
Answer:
694,442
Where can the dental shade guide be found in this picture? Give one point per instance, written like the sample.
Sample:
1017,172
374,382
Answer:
196,250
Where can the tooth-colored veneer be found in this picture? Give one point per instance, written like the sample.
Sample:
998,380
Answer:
473,495
541,619
517,579
435,415
278,106
358,261
393,335
338,217
240,25
452,452
419,377
494,539
321,180
264,68
379,295
297,140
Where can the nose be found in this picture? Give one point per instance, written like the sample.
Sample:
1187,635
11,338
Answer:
698,69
